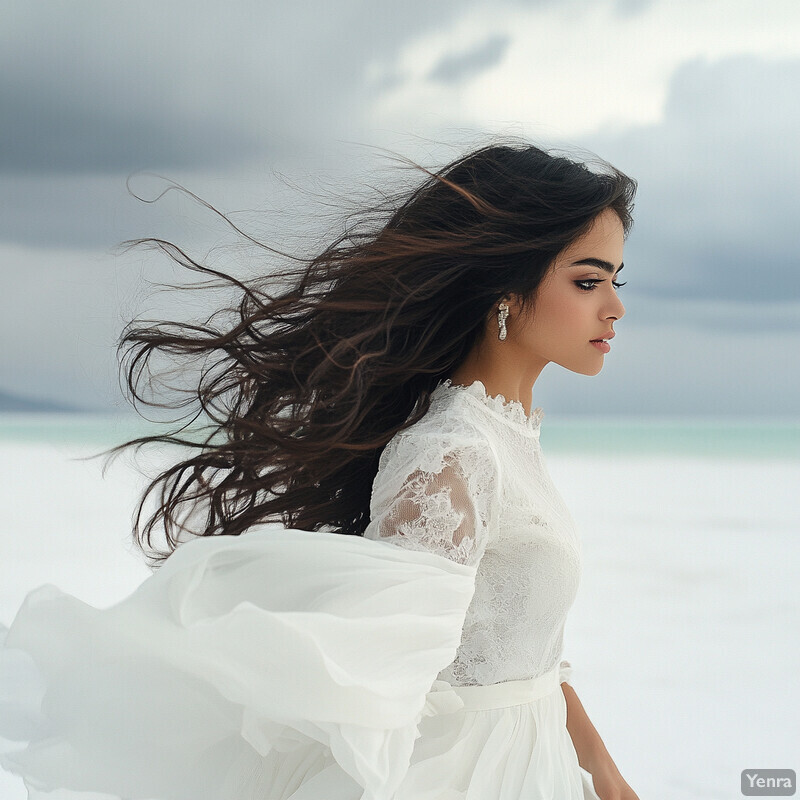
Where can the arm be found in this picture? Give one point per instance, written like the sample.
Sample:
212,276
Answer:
592,754
438,494
589,746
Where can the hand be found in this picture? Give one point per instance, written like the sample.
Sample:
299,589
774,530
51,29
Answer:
610,785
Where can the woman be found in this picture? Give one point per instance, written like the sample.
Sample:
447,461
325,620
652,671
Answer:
385,395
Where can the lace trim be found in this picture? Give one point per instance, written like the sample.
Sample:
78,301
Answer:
510,410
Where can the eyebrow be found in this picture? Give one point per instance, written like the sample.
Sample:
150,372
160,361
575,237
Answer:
606,266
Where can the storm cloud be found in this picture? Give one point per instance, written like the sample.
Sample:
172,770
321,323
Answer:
718,200
219,98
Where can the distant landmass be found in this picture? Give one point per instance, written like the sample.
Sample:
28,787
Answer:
20,403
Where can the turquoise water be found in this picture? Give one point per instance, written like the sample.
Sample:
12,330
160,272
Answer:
598,437
701,438
93,430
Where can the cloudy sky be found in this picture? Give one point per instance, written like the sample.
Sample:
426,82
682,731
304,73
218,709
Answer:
697,99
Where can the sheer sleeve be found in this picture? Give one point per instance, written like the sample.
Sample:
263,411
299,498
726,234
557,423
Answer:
243,666
436,494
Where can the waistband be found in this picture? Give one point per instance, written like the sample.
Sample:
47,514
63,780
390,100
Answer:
443,698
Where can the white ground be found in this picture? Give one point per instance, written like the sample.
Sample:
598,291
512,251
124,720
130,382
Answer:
684,636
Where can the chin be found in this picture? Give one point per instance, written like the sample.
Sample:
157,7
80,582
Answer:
593,369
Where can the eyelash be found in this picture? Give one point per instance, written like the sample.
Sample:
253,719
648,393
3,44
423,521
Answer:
594,282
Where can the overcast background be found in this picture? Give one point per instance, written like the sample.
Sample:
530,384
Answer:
696,99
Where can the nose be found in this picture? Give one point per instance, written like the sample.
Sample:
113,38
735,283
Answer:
617,310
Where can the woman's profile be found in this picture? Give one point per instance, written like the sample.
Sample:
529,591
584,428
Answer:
366,569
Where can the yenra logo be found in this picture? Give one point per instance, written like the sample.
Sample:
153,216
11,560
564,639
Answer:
768,782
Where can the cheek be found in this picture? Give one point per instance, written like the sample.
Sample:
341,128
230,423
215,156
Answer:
558,313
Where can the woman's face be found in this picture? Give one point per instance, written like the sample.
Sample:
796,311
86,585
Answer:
577,302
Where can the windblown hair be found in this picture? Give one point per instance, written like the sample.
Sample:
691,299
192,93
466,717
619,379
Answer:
318,377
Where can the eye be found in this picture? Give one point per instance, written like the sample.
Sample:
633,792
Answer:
594,282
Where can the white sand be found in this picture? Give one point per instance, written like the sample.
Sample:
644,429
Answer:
684,635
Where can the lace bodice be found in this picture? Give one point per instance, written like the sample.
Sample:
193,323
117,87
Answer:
468,481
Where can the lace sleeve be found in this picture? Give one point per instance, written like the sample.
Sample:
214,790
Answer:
434,494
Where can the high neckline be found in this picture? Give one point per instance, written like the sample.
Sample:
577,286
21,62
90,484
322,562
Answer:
511,411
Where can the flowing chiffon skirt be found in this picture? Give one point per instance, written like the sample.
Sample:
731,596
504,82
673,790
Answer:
282,664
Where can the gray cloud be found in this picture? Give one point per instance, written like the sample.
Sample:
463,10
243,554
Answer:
45,132
101,87
718,201
462,66
212,96
90,93
88,87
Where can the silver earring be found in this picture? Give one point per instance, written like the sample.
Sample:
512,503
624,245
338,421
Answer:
502,313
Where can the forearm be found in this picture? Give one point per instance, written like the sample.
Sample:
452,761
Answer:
592,753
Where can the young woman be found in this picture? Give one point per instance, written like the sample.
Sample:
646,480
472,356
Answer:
384,396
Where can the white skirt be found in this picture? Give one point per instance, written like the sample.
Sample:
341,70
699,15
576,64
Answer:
282,664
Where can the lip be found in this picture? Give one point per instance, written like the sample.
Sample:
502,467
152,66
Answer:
609,335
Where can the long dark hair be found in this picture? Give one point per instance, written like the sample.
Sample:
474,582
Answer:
311,382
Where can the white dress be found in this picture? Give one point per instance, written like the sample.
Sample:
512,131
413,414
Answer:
422,661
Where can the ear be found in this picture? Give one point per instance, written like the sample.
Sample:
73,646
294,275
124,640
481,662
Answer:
514,304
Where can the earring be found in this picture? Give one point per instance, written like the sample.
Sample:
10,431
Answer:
502,313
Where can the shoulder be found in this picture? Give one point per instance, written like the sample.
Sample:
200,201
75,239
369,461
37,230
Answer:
446,432
451,415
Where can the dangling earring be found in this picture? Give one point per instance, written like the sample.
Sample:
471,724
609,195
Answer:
502,313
